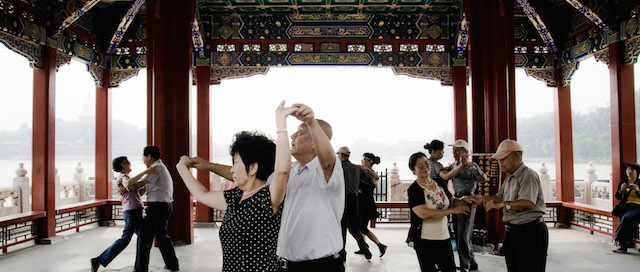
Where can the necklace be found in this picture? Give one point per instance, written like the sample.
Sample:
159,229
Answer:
249,193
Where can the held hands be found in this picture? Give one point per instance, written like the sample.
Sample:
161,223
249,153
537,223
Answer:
474,200
186,161
462,209
464,160
281,115
494,205
304,113
196,162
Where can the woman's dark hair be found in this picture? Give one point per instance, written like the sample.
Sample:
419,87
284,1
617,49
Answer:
375,159
414,158
154,151
434,145
117,163
633,166
255,147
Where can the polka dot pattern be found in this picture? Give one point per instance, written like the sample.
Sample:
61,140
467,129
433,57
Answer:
249,232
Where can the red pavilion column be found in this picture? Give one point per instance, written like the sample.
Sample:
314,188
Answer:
623,121
43,188
491,64
459,74
171,63
563,135
203,74
104,173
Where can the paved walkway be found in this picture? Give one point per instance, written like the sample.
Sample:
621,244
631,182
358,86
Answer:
569,250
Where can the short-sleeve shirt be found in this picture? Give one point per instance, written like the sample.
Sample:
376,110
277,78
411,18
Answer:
436,167
249,232
523,184
130,199
351,177
435,228
418,196
310,227
465,182
160,184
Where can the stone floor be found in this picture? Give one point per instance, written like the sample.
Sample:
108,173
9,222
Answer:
569,250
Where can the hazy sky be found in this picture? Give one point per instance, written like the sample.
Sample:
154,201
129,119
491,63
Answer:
365,105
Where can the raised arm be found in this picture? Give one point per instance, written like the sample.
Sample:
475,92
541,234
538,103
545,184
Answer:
135,182
218,169
278,187
324,150
447,175
202,194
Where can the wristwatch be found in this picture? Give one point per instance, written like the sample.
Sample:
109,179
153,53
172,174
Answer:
507,206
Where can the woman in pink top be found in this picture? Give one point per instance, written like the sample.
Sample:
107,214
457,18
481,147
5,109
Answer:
132,212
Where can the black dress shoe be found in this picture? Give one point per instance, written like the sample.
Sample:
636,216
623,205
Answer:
473,266
172,269
358,252
95,264
382,248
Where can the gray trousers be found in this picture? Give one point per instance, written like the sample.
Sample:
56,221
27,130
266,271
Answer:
463,226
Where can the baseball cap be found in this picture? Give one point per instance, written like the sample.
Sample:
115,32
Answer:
507,146
344,150
461,143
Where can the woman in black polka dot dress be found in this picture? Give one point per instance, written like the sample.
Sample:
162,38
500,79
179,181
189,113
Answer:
249,231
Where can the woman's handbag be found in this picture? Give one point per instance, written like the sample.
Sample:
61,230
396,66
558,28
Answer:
620,209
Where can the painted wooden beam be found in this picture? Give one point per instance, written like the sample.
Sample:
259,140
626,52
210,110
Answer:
539,25
463,35
587,12
77,14
123,26
196,36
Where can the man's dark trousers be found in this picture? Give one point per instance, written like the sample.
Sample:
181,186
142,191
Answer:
155,224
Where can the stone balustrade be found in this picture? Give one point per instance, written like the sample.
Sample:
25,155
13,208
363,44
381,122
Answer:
77,190
15,199
589,190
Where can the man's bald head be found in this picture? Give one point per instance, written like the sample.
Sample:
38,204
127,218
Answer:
326,128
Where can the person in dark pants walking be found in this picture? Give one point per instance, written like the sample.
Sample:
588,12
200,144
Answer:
527,238
465,175
159,207
351,217
132,212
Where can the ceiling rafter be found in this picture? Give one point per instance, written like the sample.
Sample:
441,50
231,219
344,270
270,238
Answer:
196,36
463,35
124,25
539,25
77,14
587,12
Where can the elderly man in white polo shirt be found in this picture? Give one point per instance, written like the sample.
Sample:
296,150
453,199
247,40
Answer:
310,237
159,207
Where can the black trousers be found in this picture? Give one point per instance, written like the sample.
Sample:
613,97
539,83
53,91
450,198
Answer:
329,264
351,221
155,224
525,247
434,255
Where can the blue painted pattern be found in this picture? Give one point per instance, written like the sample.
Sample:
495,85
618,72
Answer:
196,36
587,12
77,14
463,35
539,25
123,26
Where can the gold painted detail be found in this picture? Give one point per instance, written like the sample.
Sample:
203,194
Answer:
329,58
330,31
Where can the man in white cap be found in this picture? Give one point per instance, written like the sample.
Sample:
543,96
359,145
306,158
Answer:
465,175
520,196
351,218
